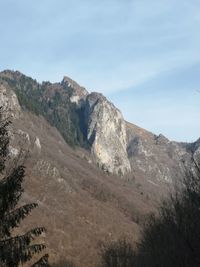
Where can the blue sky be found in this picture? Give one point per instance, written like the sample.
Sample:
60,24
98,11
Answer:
143,55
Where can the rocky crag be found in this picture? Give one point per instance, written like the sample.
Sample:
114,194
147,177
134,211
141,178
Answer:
90,120
106,133
81,118
94,175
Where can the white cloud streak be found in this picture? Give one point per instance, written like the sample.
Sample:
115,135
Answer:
108,46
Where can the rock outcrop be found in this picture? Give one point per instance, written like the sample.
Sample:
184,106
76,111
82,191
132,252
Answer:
196,153
156,158
82,118
106,133
9,102
78,93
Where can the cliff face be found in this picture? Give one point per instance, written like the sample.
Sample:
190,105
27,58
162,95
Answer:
81,118
105,128
9,102
196,152
157,158
106,132
78,93
89,119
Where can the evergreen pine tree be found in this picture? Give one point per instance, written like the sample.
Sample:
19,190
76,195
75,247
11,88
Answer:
15,250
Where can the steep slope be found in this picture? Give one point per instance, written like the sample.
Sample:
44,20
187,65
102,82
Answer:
106,132
156,158
80,204
90,121
80,117
195,149
52,101
76,200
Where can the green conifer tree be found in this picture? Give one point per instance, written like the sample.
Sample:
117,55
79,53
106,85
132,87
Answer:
15,250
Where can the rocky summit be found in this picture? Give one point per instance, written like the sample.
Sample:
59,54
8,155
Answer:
94,175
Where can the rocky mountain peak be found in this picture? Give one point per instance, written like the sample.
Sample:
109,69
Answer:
12,75
79,93
90,120
161,139
46,120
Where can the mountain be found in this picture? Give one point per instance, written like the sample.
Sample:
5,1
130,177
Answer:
94,175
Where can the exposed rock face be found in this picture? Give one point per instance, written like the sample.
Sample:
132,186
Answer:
196,153
9,102
106,132
79,93
37,143
155,157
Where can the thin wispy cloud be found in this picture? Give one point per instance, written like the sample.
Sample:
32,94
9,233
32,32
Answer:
111,46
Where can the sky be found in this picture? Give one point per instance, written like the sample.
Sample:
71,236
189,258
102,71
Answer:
143,55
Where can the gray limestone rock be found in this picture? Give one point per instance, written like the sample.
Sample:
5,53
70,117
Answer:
9,102
79,93
116,146
156,158
106,133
